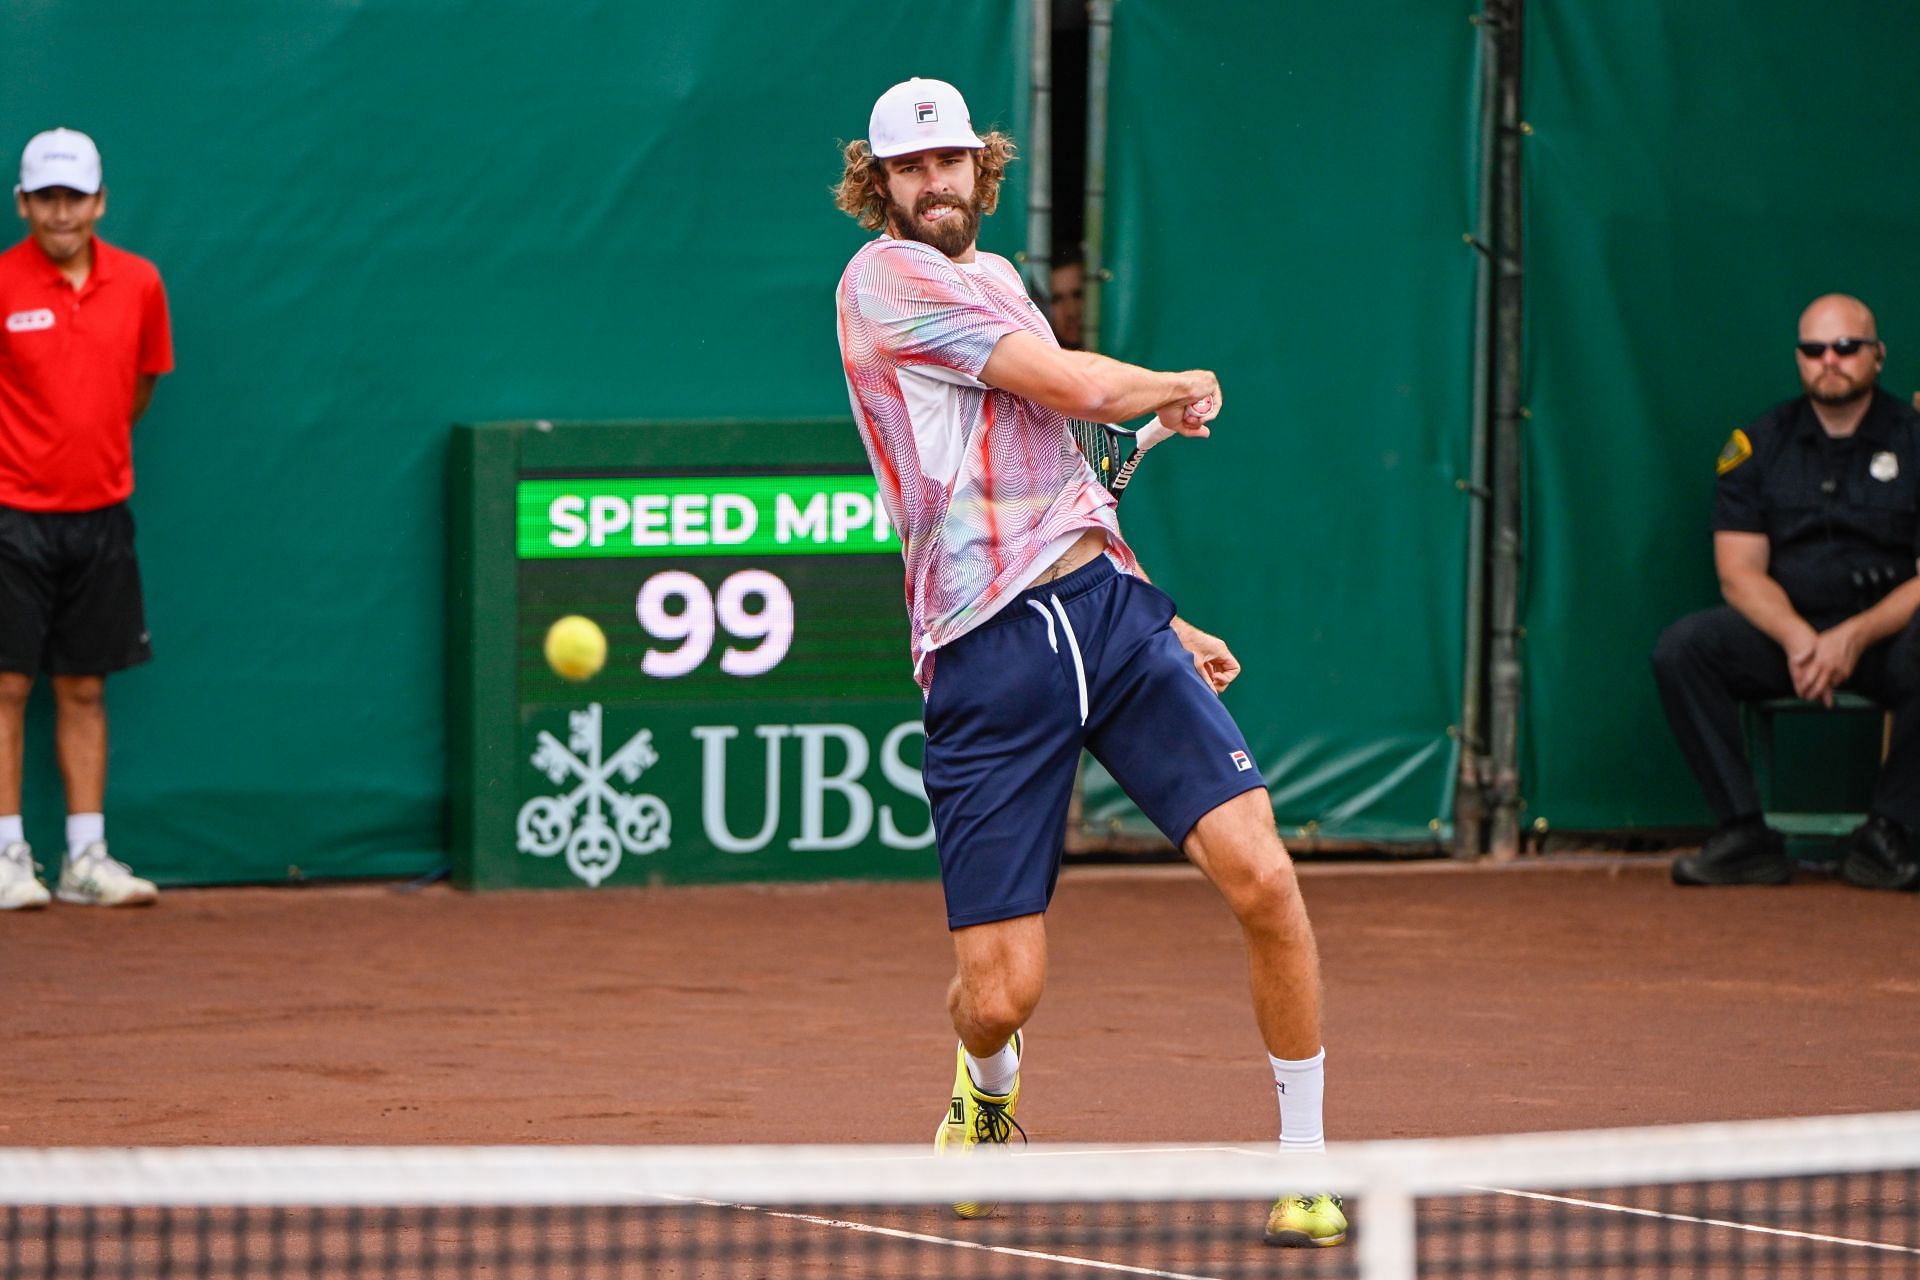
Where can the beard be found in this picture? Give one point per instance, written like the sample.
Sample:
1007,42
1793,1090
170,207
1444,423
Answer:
1834,388
953,235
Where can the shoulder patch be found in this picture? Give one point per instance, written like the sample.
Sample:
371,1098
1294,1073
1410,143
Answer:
1736,451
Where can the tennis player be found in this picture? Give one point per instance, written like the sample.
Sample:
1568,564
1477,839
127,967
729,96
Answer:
1034,632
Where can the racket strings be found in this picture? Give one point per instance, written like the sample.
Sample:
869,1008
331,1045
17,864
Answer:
1101,447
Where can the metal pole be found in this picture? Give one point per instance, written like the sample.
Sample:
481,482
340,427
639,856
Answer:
1039,260
1504,669
1470,734
1099,56
1099,48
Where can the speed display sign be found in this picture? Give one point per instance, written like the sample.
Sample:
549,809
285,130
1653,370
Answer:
755,717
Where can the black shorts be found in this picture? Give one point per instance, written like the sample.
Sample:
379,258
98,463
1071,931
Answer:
70,593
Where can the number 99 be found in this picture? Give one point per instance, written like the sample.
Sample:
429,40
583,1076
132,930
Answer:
693,623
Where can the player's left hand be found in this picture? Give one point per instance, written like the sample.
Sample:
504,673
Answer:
1211,657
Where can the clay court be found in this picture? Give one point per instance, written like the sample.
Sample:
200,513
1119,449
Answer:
1464,1000
1461,1001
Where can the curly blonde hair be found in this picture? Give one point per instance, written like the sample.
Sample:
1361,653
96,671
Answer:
861,193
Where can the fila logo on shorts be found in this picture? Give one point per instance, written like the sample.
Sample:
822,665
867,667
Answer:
28,321
1241,762
925,113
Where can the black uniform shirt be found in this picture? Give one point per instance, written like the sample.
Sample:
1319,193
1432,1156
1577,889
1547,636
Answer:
1842,517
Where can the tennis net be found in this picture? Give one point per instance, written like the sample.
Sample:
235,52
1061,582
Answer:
1835,1197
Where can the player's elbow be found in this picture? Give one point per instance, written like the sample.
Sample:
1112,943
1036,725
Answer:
1091,400
1076,394
1065,381
1096,397
1074,391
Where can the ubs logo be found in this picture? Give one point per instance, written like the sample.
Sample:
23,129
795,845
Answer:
29,321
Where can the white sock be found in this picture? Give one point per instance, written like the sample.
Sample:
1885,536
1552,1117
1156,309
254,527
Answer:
11,829
1302,1087
84,829
995,1075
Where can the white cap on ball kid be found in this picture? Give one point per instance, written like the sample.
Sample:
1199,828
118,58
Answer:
60,158
920,115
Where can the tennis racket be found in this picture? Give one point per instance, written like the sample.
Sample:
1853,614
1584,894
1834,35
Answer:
1114,452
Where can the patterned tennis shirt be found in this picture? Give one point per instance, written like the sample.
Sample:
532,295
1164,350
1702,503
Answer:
985,488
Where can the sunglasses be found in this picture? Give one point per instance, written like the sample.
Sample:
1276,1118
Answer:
1841,347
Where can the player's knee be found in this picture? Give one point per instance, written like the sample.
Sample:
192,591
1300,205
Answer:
1001,1008
1265,893
15,688
1002,968
999,1018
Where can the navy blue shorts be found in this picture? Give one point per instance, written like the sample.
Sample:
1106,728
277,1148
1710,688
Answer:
1086,661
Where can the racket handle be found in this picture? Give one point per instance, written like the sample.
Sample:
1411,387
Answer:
1150,435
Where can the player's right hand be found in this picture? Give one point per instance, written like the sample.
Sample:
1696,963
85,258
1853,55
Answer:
1190,414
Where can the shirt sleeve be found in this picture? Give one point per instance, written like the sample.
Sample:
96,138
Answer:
921,311
1737,506
156,332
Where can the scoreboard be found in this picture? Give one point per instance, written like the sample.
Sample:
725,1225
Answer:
756,718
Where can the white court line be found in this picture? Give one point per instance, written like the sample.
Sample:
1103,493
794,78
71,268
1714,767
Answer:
1077,1152
1098,1265
920,1238
1072,1153
1708,1222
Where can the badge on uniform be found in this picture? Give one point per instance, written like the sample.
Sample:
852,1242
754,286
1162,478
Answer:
1736,451
1885,467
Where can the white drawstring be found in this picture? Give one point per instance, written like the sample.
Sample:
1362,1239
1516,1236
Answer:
1041,609
1073,645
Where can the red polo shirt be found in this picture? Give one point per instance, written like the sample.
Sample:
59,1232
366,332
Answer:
69,359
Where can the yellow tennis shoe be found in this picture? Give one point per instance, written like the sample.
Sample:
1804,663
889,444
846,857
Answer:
974,1118
1307,1222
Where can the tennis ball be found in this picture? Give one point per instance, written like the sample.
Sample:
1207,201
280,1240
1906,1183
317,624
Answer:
576,648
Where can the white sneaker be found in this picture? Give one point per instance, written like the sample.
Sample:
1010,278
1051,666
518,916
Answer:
94,879
20,890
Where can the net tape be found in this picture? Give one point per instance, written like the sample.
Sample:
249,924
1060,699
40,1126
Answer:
375,1176
1390,1181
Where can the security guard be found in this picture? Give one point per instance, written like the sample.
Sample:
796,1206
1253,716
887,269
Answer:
1816,526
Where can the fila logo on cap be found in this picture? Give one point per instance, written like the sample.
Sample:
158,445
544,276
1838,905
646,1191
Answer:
920,115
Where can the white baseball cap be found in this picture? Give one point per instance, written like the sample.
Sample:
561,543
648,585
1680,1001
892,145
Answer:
60,158
920,115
